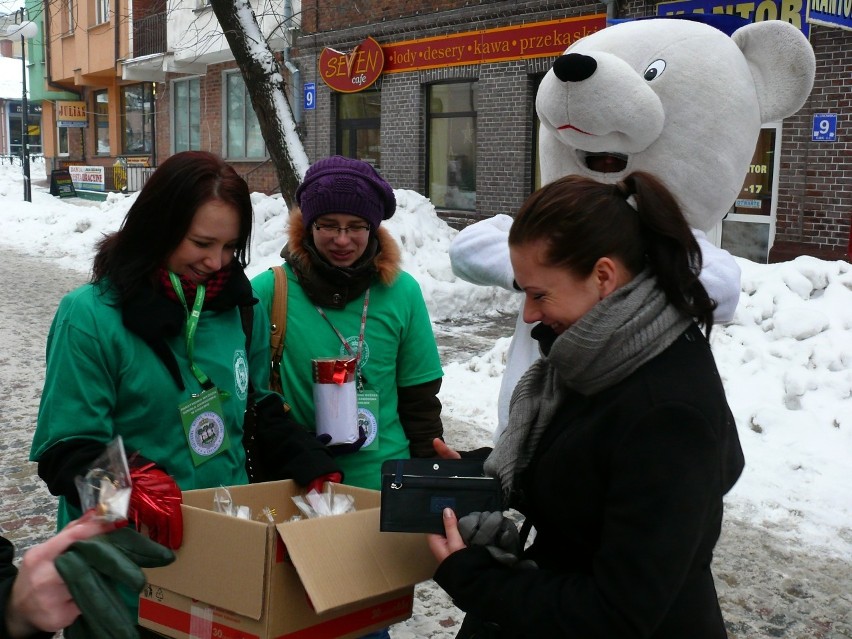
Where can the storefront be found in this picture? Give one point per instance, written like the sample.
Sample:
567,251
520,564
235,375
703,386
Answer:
15,128
448,111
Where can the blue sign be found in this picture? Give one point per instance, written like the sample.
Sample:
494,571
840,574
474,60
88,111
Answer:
830,13
825,127
793,12
310,96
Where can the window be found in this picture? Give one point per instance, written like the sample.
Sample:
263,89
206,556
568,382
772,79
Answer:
67,16
187,115
451,123
137,118
749,227
101,11
62,144
358,126
102,122
242,130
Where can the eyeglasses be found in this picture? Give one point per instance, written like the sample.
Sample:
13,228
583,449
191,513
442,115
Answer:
332,230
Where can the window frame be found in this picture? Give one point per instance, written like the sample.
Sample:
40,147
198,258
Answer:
193,145
226,121
448,115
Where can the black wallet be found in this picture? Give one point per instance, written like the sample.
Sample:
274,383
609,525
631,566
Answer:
416,491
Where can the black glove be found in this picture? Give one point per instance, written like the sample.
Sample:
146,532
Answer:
344,449
497,533
92,568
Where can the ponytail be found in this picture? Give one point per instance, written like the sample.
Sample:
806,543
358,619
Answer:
636,220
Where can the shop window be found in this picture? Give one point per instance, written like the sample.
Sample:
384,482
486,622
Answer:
102,122
16,130
451,134
242,131
359,125
749,227
137,118
62,142
186,115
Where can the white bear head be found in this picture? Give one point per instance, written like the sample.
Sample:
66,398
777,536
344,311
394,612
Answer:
676,98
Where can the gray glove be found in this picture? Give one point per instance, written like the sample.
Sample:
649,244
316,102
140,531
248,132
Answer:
497,533
92,568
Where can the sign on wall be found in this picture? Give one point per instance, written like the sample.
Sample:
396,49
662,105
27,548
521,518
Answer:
518,42
831,13
71,114
310,91
825,127
792,11
353,71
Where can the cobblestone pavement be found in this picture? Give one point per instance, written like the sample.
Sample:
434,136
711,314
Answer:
29,295
766,587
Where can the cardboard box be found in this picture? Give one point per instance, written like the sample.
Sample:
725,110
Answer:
330,577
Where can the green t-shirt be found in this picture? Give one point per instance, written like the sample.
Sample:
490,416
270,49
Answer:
399,350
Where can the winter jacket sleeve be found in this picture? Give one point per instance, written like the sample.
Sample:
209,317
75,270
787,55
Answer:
420,413
65,460
479,254
8,572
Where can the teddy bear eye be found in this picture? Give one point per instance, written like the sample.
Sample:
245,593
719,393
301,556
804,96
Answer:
655,69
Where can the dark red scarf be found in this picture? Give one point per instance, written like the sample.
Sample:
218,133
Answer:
214,285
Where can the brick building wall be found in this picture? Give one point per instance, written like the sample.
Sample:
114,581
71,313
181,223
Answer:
505,112
815,194
259,174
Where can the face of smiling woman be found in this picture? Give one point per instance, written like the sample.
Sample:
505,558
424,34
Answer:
555,296
209,244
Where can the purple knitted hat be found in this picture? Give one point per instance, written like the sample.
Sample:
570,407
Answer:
343,185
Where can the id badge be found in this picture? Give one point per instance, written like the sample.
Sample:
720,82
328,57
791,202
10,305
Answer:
368,417
204,426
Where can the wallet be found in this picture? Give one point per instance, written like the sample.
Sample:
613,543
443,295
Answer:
416,491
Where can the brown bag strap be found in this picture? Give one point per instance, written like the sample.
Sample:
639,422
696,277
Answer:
278,321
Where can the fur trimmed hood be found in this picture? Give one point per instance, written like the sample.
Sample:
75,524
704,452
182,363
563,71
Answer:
386,261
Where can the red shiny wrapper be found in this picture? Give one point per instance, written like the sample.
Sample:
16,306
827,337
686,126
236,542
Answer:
331,370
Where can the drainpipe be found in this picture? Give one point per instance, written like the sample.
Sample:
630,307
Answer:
295,72
611,6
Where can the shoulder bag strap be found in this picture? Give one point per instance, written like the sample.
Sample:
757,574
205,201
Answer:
278,323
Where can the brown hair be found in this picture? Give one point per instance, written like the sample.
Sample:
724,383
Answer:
583,220
160,218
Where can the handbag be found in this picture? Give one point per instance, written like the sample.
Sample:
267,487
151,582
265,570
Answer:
414,493
250,445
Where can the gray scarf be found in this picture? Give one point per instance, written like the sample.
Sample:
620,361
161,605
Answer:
624,330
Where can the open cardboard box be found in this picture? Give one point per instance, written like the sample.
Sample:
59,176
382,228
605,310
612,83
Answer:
331,577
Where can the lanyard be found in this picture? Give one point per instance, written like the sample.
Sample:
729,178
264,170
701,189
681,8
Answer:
346,345
192,318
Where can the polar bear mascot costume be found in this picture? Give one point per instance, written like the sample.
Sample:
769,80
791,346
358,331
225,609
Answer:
675,97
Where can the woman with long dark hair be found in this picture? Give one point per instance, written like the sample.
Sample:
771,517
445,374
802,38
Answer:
153,349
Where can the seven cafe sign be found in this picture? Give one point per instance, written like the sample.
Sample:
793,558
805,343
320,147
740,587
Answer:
353,71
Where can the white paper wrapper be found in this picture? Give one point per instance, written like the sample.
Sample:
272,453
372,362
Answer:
337,412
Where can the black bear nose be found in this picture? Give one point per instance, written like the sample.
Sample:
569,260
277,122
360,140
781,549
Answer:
574,67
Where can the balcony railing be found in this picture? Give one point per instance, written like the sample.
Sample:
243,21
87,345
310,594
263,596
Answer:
149,35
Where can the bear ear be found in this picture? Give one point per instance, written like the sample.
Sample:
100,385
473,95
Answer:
782,63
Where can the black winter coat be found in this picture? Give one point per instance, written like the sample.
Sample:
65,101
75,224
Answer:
625,493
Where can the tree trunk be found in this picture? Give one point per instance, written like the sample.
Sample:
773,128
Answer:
265,86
